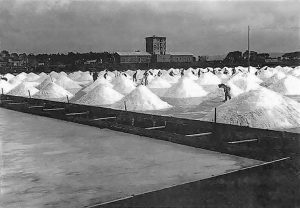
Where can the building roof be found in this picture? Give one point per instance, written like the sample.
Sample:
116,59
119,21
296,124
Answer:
180,53
141,53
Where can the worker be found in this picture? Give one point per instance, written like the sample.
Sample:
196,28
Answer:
159,73
199,73
95,76
146,74
105,74
3,77
182,72
172,73
134,77
226,89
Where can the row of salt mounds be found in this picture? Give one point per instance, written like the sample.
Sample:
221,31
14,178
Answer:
289,85
123,84
159,82
273,79
208,79
185,88
9,76
52,91
5,86
23,90
100,95
141,99
90,87
262,108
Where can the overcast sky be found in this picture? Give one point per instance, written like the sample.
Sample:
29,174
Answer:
200,27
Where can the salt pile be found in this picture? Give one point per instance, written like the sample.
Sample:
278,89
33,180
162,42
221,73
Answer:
265,74
31,77
9,76
289,85
273,79
54,74
100,95
85,76
5,86
245,81
52,91
262,108
159,82
23,90
123,85
45,82
98,81
66,82
170,79
185,88
15,81
208,79
141,99
74,75
22,76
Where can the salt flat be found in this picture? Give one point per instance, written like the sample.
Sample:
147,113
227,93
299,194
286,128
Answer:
53,163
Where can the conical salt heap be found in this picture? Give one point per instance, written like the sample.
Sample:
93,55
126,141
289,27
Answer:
273,79
289,85
15,81
185,88
159,82
31,77
52,91
100,95
245,81
85,76
208,79
265,74
9,76
45,82
22,76
5,86
141,99
74,75
66,82
262,108
123,85
23,90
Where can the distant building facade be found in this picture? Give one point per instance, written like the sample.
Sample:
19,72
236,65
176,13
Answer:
133,57
156,52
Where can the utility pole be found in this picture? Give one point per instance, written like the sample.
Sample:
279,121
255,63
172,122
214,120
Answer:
248,48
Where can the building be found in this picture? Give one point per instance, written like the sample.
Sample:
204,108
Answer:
156,48
156,45
132,57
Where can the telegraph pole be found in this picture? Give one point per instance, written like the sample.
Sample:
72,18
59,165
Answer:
248,48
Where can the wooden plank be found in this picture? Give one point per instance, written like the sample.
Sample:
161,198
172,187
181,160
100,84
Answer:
16,103
53,109
36,106
7,100
105,118
185,113
79,113
156,127
200,134
243,141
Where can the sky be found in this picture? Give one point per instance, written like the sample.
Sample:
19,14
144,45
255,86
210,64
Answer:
202,27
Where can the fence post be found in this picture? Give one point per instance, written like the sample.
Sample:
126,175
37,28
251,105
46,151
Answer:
215,115
29,93
68,99
125,106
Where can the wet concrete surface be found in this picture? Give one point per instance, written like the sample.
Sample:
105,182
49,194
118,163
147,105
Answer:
51,163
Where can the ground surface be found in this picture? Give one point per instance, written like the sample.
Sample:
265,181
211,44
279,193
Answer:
52,163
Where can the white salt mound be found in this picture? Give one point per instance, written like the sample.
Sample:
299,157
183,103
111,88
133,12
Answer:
15,81
245,82
141,99
98,81
31,77
100,95
208,79
185,88
289,85
22,76
9,76
273,79
159,82
45,82
85,76
52,91
66,82
23,90
123,85
262,108
5,86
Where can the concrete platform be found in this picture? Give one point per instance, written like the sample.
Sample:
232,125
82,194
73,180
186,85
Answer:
53,163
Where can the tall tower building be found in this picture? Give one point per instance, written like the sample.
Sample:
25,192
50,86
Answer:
156,45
